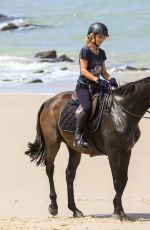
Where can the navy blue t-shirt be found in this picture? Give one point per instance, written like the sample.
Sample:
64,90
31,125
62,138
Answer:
95,62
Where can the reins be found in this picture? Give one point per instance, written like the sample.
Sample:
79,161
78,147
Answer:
125,110
133,114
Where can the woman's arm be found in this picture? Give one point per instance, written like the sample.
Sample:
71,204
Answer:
104,73
85,72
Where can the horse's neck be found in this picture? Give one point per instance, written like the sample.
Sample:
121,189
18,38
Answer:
133,107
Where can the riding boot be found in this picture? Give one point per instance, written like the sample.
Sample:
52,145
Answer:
80,125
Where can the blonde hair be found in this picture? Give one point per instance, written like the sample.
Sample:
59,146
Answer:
89,39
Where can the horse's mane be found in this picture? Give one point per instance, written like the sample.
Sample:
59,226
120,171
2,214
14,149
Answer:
131,87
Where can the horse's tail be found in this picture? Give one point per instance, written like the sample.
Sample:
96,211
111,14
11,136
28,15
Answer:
37,150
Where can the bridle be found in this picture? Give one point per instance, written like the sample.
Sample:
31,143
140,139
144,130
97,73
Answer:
125,110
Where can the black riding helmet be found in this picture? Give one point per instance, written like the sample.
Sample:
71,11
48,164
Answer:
98,28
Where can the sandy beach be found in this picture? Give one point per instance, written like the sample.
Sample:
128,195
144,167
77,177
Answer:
24,189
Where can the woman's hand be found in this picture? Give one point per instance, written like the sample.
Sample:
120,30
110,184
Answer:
113,82
103,84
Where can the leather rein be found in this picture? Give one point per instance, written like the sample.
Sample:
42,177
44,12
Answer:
128,112
133,114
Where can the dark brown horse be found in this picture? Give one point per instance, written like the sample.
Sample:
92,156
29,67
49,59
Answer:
115,137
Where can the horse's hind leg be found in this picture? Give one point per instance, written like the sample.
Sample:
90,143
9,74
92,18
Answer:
52,149
119,167
74,160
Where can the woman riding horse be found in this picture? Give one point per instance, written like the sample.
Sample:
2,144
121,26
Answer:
92,65
115,137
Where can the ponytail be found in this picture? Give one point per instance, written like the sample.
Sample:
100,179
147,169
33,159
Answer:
90,39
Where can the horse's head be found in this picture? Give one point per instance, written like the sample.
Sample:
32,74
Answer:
134,96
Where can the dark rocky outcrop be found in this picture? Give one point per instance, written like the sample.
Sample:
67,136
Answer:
7,79
9,26
135,69
51,56
46,54
36,81
64,58
12,26
2,16
39,71
29,25
132,68
64,68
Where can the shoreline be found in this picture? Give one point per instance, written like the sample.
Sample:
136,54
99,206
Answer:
55,86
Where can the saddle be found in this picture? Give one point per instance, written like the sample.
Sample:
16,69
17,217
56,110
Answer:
68,117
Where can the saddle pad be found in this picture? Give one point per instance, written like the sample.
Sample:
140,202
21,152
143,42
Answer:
67,120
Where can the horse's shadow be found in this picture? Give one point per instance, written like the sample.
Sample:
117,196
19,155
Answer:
133,216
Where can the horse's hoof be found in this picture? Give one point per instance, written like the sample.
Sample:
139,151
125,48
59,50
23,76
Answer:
116,216
122,217
127,218
53,211
78,214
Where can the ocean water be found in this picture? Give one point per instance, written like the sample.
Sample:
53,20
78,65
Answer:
62,25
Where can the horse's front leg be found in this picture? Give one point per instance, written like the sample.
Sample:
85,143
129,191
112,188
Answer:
74,160
119,167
